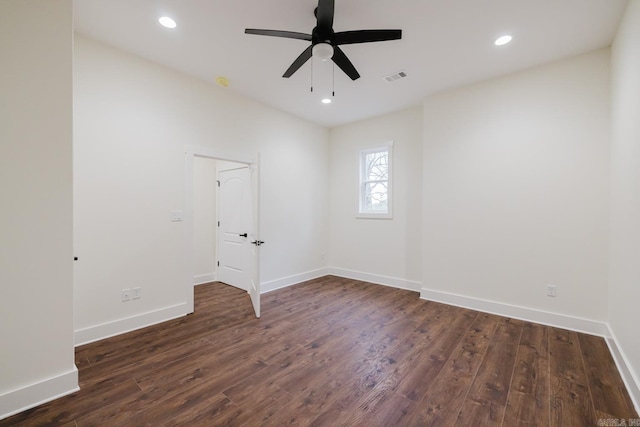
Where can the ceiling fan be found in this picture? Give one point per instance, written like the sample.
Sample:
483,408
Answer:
325,43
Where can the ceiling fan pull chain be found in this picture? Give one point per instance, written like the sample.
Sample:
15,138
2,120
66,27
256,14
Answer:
312,74
333,83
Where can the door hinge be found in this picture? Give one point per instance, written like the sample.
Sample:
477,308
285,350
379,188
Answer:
218,223
218,183
218,263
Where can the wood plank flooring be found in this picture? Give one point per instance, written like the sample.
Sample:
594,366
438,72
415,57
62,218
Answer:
339,352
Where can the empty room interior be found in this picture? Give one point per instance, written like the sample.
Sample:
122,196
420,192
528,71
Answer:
431,218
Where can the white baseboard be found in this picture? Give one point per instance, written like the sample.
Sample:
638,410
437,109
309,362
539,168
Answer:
393,282
272,285
109,329
128,324
38,393
629,376
204,278
577,324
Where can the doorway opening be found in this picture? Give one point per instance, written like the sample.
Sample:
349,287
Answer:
222,218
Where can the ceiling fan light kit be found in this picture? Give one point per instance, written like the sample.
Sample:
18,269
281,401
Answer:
325,43
322,51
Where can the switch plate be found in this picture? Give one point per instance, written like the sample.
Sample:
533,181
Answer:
176,216
126,295
552,291
137,293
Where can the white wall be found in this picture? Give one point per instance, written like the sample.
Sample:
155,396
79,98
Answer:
516,188
204,219
36,270
384,249
624,273
132,122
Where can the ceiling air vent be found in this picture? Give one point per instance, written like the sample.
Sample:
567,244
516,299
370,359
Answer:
396,76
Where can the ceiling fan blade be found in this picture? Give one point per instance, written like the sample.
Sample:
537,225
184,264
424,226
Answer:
324,13
300,60
343,62
278,33
366,36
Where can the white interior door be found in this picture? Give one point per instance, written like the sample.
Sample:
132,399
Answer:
235,218
238,244
254,235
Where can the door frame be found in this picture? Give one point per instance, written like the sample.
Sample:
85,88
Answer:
190,152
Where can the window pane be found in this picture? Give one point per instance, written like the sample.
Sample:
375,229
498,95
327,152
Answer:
375,196
377,166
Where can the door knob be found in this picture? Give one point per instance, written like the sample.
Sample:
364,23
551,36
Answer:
257,242
243,235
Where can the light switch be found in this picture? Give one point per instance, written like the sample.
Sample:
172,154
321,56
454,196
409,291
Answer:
176,216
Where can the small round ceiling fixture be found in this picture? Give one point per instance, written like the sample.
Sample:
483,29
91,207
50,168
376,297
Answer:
502,40
322,51
326,101
167,22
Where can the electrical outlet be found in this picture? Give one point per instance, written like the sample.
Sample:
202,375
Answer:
322,256
137,293
552,291
126,295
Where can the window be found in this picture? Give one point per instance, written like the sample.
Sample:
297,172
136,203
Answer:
375,183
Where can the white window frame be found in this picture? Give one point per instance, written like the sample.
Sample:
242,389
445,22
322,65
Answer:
368,214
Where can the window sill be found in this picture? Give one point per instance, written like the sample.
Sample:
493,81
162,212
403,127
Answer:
374,216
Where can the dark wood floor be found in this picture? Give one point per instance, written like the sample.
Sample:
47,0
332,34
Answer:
339,352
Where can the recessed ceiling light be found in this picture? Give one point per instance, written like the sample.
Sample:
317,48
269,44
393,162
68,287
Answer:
167,22
502,40
326,101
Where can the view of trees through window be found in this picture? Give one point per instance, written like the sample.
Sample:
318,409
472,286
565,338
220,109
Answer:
375,181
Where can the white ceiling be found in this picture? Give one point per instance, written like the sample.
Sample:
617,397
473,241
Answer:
445,43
